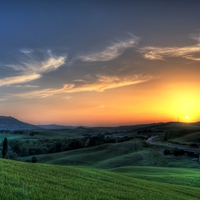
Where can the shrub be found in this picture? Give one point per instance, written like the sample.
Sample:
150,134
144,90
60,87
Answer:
194,146
16,146
178,152
34,159
11,155
166,152
75,144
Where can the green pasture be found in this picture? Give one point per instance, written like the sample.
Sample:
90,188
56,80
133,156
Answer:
10,136
103,156
20,181
107,156
178,176
187,138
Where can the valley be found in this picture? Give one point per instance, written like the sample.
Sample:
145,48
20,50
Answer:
127,162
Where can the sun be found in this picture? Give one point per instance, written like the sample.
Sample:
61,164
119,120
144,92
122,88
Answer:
187,117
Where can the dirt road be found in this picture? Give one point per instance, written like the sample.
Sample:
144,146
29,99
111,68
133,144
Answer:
152,140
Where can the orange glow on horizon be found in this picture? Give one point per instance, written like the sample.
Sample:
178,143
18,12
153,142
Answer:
118,107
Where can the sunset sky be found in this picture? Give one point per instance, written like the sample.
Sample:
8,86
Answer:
100,63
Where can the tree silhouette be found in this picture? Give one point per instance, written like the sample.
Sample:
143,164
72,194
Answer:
5,147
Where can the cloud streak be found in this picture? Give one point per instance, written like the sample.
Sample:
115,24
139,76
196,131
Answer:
26,51
19,79
111,52
46,92
32,69
110,82
27,86
159,53
32,66
103,83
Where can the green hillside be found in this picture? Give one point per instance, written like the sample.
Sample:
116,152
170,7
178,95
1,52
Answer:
131,153
38,181
105,156
182,133
180,176
187,138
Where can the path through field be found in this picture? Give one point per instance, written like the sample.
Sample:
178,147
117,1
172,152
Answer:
152,140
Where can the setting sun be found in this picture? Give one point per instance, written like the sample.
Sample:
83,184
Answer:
187,117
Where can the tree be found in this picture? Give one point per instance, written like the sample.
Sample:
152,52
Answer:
17,147
34,159
5,147
166,152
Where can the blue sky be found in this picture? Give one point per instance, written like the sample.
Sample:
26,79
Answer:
97,62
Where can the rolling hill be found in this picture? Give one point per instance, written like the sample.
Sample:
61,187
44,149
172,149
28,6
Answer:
125,170
29,181
56,127
11,123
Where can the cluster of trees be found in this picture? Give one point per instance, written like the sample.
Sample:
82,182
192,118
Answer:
22,148
175,152
99,139
35,147
6,153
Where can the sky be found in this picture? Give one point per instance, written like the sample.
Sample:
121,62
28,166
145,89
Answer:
100,63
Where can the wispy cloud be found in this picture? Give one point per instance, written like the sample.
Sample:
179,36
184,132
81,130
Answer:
26,51
35,66
159,53
110,82
27,86
50,64
103,83
33,69
80,80
3,99
111,52
46,92
19,79
195,37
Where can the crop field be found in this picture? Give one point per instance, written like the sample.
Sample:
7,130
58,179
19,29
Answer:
179,176
129,169
10,136
104,156
20,181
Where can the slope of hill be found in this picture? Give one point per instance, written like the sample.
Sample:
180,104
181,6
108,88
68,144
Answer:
56,127
35,181
10,123
180,176
182,133
112,155
103,156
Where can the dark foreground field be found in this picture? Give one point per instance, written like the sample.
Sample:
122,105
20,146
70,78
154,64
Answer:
22,181
100,163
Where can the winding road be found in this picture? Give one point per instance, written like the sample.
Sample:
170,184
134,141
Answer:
152,140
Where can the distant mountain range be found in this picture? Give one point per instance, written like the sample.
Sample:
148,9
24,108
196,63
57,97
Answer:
55,126
10,123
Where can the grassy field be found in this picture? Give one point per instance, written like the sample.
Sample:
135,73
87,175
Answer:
104,156
39,181
131,153
178,176
183,133
126,170
192,137
10,136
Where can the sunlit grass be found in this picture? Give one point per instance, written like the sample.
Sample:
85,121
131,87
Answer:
179,176
37,181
